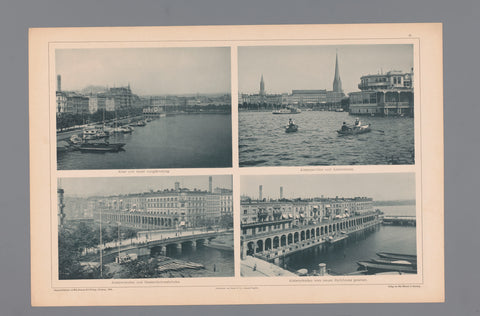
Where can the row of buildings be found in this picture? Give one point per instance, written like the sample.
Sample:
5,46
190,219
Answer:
122,98
172,208
382,94
268,216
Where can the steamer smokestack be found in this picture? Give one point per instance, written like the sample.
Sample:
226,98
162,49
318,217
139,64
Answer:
260,189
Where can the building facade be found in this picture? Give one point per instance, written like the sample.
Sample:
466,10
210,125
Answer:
384,95
167,209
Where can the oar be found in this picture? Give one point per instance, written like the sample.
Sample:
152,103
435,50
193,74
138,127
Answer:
379,130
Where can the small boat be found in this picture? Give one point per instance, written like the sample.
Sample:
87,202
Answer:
335,239
75,140
101,147
379,267
355,130
394,262
397,256
302,272
291,128
289,110
141,123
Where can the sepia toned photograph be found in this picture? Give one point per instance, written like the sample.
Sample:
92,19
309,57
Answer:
145,227
326,105
130,108
328,225
148,188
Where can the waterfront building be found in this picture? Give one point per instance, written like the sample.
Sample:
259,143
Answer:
123,98
171,208
307,97
61,99
270,229
77,104
384,95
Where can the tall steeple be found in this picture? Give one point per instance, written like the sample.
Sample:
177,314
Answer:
337,83
262,87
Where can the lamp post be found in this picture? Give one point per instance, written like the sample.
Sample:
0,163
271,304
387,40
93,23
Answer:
118,240
101,246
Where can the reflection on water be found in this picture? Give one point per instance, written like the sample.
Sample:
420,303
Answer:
180,141
342,257
263,141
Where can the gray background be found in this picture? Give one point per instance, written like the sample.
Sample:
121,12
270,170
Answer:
461,54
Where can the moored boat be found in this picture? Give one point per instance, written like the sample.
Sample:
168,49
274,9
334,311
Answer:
379,267
101,147
397,256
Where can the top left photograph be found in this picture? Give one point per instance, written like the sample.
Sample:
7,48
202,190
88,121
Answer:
141,108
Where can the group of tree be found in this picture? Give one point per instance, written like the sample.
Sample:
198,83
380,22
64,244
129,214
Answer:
66,120
74,238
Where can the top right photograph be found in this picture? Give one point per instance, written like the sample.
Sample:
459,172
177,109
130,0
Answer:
326,105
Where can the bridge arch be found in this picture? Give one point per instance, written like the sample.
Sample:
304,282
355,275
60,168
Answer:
283,240
289,238
295,237
302,235
312,233
307,234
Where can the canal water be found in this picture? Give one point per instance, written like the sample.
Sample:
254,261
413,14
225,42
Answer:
263,141
217,262
178,141
342,257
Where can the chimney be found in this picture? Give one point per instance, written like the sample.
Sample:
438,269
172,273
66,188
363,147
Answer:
281,192
177,186
210,184
59,83
260,192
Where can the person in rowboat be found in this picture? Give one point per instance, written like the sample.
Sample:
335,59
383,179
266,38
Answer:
357,122
291,122
345,127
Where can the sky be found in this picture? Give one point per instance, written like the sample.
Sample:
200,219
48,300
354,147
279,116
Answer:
380,187
103,186
150,71
287,68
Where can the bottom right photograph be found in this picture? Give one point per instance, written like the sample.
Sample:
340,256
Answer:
328,224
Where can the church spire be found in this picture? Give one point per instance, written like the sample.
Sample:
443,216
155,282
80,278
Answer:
262,86
337,82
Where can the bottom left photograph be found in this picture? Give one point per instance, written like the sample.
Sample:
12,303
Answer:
145,227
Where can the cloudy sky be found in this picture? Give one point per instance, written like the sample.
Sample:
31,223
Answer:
382,186
149,71
104,186
286,68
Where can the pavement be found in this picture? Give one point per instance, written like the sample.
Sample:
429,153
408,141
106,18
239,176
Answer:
254,267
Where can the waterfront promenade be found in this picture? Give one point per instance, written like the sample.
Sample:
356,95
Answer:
254,267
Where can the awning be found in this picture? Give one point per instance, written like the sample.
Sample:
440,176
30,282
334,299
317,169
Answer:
302,215
290,216
328,205
182,223
284,216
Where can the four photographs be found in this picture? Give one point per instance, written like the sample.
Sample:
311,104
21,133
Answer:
171,108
